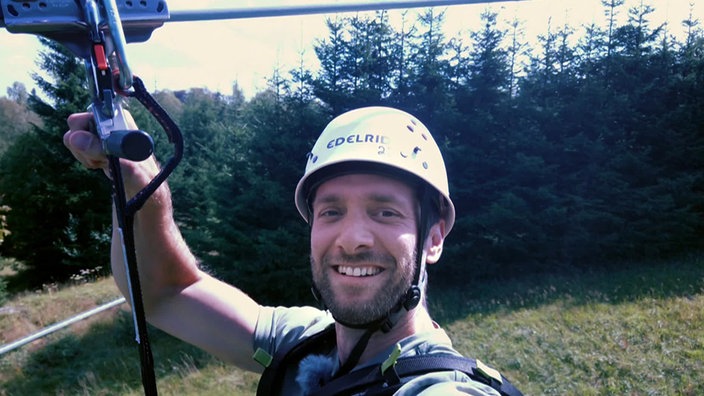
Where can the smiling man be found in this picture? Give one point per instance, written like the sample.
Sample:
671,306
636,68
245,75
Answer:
379,210
362,245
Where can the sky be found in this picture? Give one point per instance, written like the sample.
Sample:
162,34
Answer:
216,54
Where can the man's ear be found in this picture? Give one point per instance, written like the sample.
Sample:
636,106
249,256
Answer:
434,242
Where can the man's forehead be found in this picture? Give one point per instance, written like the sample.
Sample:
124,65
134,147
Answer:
371,186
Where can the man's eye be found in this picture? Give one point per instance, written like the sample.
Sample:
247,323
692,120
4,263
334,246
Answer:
387,213
329,213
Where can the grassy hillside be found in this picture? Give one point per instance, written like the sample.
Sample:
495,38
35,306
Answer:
637,331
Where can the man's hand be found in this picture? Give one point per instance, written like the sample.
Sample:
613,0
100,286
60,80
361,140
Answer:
88,150
84,145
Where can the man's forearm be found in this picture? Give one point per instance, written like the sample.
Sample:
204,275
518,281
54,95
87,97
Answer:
166,264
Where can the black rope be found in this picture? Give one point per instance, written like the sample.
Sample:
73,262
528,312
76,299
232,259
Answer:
172,131
125,221
125,212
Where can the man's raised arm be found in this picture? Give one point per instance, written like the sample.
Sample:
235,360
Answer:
178,297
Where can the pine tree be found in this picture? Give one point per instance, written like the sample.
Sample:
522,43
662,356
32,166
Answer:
357,62
15,116
330,85
60,212
207,122
427,81
264,241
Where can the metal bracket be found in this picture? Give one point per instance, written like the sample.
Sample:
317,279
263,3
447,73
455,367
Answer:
64,20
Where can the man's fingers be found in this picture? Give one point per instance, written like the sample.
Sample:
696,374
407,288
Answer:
79,121
86,147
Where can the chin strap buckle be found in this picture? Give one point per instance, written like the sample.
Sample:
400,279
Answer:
412,298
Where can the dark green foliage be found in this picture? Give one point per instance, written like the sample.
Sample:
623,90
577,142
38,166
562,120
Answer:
59,212
359,62
207,122
3,291
265,243
15,117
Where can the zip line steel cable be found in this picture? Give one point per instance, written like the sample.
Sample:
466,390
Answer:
98,31
60,325
310,9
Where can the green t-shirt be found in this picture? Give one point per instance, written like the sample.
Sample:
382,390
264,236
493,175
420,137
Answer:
281,327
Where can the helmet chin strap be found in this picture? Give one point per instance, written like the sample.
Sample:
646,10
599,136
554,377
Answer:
407,302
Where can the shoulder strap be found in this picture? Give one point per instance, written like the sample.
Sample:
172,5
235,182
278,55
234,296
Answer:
272,379
372,381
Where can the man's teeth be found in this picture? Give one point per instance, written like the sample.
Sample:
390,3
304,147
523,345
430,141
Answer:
358,271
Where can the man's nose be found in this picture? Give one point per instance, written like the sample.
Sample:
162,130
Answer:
355,234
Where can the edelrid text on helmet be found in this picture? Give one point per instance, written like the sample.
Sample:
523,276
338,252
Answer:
380,138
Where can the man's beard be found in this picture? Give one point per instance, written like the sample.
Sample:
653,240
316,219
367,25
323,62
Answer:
386,298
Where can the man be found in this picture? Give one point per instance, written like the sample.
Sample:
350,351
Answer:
376,196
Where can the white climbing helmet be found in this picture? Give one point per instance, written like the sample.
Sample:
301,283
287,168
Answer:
376,137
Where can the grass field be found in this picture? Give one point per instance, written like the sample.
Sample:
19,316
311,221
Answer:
635,331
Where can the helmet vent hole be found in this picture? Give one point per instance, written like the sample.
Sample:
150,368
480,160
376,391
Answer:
410,128
425,137
425,165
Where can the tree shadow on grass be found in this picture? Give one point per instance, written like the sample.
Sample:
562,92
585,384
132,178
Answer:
628,282
104,360
22,279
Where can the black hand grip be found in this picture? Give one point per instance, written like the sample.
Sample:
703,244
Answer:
133,145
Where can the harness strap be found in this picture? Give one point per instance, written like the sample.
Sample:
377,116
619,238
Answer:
371,380
356,353
272,379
